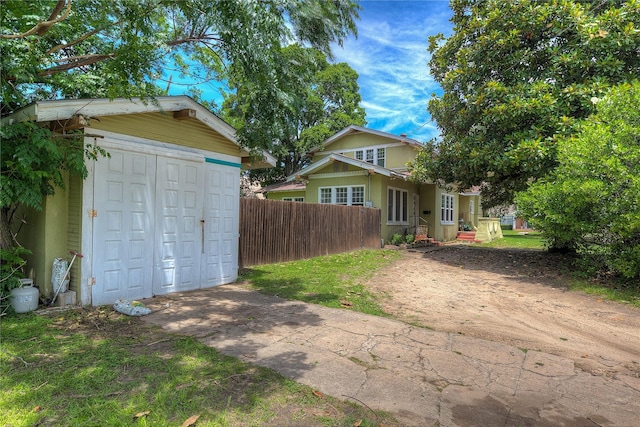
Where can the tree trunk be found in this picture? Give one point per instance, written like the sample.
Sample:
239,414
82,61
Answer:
7,240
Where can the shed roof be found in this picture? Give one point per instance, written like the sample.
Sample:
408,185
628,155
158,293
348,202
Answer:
183,107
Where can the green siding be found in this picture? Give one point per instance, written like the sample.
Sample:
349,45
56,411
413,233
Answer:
74,231
279,195
163,127
45,234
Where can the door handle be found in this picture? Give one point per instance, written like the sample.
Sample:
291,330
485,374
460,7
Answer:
202,234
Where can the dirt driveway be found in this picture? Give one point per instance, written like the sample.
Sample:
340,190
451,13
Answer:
517,297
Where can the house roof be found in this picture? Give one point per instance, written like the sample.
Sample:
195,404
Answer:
284,186
350,161
64,109
353,129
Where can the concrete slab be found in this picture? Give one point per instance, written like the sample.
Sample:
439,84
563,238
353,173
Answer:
425,378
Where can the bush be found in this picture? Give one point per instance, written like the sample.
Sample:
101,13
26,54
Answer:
591,203
506,226
397,239
409,238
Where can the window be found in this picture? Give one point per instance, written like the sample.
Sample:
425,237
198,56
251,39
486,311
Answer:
397,206
446,209
293,199
471,207
382,154
375,156
349,196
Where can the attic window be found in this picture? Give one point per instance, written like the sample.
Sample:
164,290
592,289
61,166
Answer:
375,156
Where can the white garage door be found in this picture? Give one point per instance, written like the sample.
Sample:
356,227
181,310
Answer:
163,225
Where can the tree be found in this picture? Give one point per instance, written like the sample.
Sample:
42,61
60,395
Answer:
109,48
321,98
516,77
53,49
591,202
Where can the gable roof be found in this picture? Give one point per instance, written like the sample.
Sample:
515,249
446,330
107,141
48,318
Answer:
62,110
371,168
353,129
284,186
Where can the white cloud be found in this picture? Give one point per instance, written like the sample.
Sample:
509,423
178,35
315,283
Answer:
391,58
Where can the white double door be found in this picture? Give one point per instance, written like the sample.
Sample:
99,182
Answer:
163,225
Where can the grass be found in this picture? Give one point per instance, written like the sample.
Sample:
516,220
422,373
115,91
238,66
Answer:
99,368
513,239
611,290
333,280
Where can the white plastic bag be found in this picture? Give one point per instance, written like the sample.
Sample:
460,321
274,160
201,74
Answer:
133,308
60,266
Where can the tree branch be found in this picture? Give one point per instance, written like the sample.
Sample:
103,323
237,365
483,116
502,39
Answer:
75,62
41,28
79,39
193,39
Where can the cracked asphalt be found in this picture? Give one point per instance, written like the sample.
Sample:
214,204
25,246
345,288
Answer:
424,377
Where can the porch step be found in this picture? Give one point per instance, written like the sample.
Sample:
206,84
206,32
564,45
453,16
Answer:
467,236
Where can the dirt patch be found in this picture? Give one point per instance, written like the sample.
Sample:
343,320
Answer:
517,297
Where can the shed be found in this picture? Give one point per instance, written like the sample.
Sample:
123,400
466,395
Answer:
159,215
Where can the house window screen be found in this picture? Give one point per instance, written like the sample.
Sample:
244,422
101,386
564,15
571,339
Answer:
397,206
357,196
350,196
381,156
446,209
341,195
325,195
375,156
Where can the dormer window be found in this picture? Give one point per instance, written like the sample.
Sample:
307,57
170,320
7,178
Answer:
375,156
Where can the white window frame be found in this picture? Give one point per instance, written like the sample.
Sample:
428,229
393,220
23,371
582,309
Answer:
375,156
293,199
351,197
446,209
397,206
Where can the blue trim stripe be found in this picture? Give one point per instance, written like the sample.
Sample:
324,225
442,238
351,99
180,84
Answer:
222,162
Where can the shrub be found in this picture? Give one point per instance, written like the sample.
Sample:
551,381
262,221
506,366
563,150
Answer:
591,203
409,238
397,239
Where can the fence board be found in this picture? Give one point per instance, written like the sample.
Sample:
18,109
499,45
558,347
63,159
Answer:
275,231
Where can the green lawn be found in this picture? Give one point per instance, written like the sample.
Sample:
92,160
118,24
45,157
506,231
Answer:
517,240
332,281
99,368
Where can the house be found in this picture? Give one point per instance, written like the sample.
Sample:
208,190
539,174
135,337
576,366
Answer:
364,167
159,215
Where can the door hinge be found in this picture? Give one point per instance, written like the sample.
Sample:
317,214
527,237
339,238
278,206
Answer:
92,281
93,213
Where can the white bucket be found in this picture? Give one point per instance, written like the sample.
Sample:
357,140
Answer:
25,299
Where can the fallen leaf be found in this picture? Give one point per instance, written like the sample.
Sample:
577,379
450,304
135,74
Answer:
141,414
346,304
37,409
357,423
317,394
190,421
585,356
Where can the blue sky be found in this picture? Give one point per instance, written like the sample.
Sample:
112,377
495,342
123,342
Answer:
391,58
390,55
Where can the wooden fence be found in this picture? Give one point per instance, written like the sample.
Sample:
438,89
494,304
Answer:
275,231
